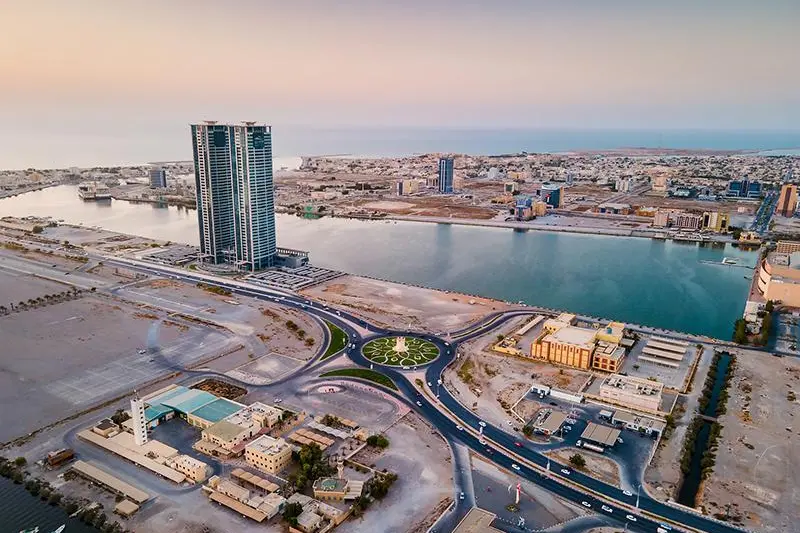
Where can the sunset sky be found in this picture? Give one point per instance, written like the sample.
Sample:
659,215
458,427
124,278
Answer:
86,65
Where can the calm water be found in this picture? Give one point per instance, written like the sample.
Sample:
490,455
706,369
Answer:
71,144
636,280
19,510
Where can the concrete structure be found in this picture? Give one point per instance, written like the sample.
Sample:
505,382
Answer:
158,178
138,458
510,187
338,488
192,468
107,428
548,422
268,454
564,344
552,194
199,408
642,424
599,434
787,247
611,332
406,187
445,182
688,221
608,357
230,433
235,197
126,508
628,391
743,188
779,282
539,208
477,521
246,479
139,421
308,521
117,486
787,202
660,185
624,184
523,208
715,221
240,499
661,219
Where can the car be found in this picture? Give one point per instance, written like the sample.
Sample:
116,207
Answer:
430,384
141,351
665,527
339,313
406,368
627,493
565,471
518,444
553,403
461,496
460,427
482,424
587,505
630,517
515,466
150,360
509,422
607,509
567,428
579,443
278,400
419,404
620,441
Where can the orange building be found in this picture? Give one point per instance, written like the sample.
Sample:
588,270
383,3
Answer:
787,202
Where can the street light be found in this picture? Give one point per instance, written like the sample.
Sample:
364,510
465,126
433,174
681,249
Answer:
638,489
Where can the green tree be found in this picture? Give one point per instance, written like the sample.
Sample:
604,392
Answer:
527,431
740,332
577,461
770,306
378,440
291,512
20,461
38,229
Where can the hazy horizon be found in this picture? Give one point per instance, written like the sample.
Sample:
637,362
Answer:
86,70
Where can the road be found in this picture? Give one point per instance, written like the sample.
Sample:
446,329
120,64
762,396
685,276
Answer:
446,412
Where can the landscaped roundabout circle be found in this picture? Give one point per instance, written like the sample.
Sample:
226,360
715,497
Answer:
400,351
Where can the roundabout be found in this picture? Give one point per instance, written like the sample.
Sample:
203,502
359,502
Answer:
400,351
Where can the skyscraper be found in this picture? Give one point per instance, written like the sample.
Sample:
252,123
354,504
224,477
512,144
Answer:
446,175
158,178
235,198
787,202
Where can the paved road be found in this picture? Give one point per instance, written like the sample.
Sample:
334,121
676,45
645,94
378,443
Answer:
497,446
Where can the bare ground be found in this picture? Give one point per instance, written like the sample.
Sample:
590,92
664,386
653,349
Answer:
758,463
389,304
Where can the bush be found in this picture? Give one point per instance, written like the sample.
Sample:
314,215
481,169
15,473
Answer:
38,229
378,440
577,461
20,461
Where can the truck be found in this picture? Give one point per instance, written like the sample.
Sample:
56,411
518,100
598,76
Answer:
59,457
593,447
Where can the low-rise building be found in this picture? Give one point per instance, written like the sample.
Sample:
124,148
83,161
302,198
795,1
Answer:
192,468
629,391
608,357
642,424
787,247
268,454
688,221
661,219
568,346
715,221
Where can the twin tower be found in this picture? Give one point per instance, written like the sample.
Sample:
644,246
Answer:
235,196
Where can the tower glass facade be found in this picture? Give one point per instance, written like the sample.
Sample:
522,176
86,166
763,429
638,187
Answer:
235,196
446,175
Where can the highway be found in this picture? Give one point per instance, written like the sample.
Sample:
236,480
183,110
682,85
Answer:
446,412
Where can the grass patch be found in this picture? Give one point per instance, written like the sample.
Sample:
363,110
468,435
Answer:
465,372
363,373
338,340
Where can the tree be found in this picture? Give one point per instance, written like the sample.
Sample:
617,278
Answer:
378,440
37,229
527,431
740,332
20,461
577,461
291,511
770,306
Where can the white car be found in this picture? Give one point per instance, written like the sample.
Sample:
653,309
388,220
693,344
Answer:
141,351
586,504
631,517
627,493
460,427
430,384
607,509
461,496
278,400
482,423
579,443
620,441
406,368
565,471
419,404
515,466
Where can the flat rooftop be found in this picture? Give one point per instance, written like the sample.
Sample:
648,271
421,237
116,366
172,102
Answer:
244,416
600,434
551,422
609,350
476,521
225,431
268,445
216,410
574,335
102,477
632,385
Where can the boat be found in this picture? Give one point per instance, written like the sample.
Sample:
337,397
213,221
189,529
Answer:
33,530
91,190
729,261
60,528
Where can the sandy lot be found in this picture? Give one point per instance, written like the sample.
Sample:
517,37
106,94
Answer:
422,460
597,466
758,463
391,304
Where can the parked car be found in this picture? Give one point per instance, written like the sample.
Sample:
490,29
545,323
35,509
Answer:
607,509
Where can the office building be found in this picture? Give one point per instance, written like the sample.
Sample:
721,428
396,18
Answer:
743,188
624,184
445,175
235,197
660,185
268,454
629,391
787,247
158,178
406,187
715,221
688,221
552,195
779,279
787,202
661,219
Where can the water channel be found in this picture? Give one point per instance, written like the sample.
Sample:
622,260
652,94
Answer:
20,510
687,495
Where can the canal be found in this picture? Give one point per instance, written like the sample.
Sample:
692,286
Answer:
19,510
687,495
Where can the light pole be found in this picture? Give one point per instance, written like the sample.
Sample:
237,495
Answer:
638,489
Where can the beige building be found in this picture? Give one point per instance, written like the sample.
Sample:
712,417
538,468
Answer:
192,468
787,247
268,454
564,344
688,221
661,219
229,434
780,282
715,221
628,391
608,357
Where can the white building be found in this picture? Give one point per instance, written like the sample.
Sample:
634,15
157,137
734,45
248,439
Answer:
139,421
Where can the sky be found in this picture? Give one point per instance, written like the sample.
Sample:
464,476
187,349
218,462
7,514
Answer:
85,66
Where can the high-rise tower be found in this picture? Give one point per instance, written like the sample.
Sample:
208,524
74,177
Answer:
235,197
446,175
